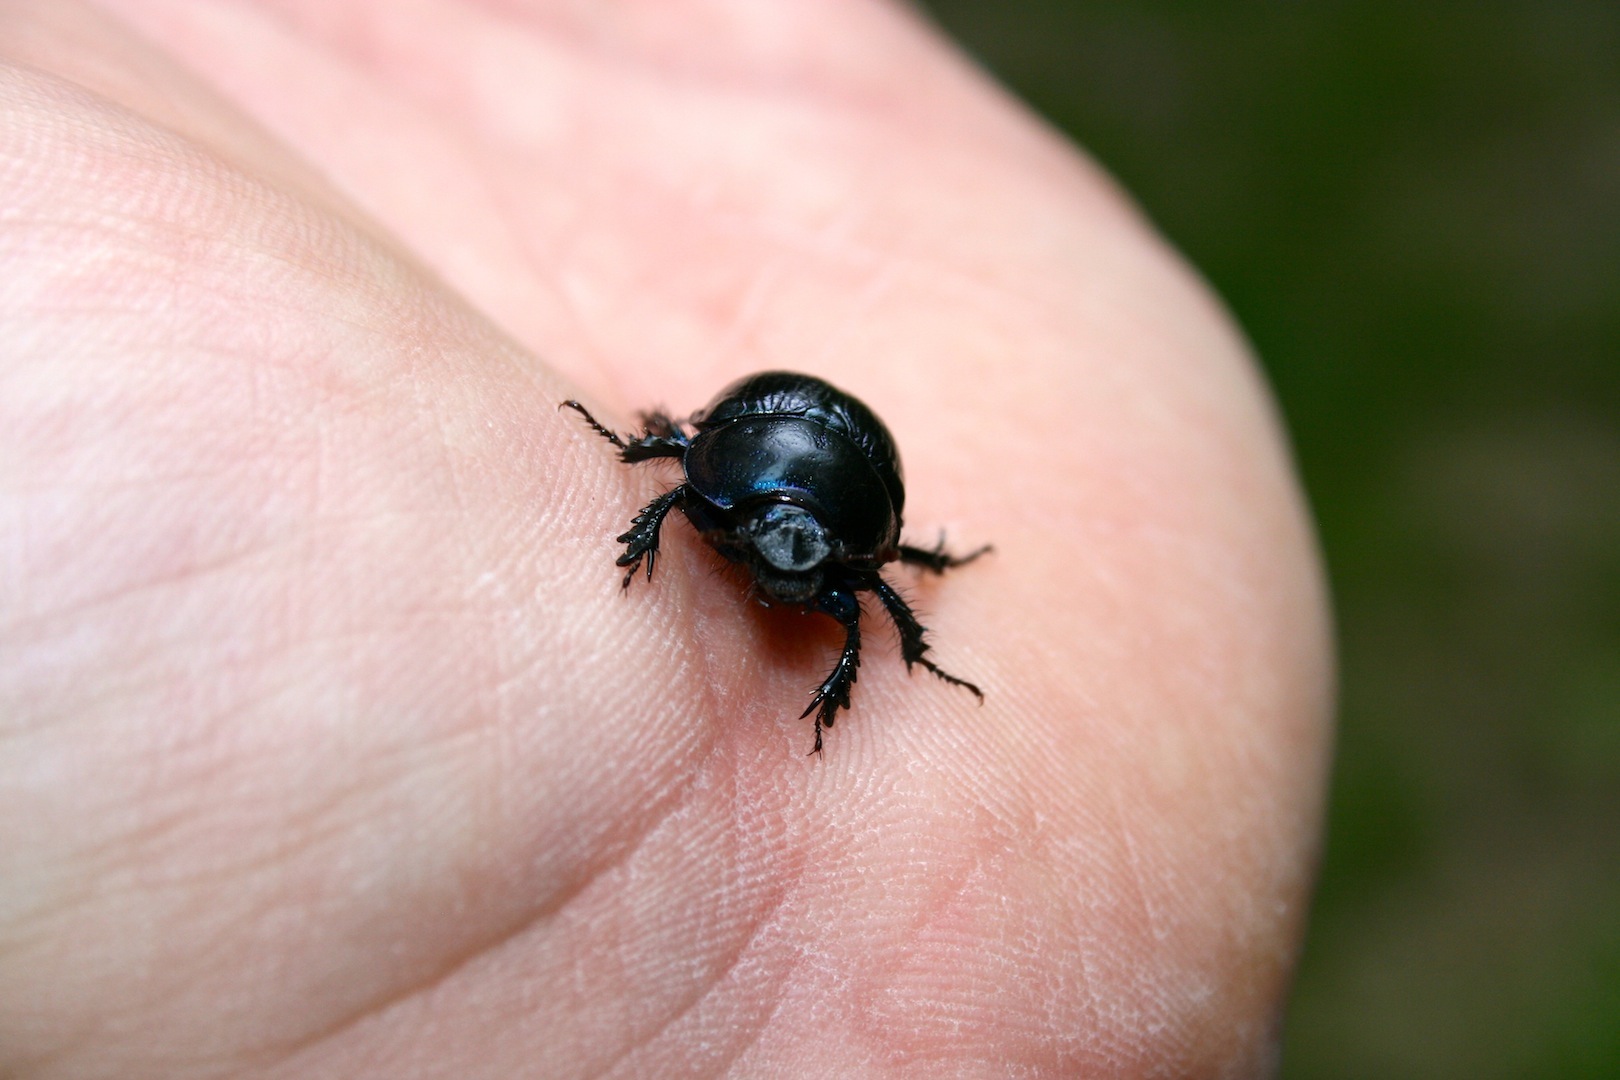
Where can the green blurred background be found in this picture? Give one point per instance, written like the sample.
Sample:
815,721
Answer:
1414,210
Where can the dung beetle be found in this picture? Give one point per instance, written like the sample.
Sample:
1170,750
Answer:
799,483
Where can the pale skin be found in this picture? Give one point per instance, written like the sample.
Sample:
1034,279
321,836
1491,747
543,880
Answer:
329,746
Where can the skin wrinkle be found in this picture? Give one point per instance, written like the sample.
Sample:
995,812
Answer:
40,623
291,839
976,878
788,871
725,1065
151,828
775,997
119,1018
963,886
778,997
614,856
690,1002
665,809
514,674
264,361
147,676
211,567
1133,861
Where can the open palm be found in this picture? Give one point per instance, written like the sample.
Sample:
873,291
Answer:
329,745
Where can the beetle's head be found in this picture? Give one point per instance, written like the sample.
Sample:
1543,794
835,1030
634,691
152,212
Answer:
787,548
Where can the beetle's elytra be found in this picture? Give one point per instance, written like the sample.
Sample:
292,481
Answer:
800,483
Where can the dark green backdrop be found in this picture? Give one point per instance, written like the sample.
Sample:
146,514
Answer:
1414,210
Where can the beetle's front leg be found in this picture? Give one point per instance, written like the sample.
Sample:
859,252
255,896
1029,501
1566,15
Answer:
913,642
641,539
833,694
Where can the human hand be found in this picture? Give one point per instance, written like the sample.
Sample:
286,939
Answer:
330,746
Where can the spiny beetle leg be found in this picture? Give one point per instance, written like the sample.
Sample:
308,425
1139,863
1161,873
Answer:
641,539
913,643
662,438
937,558
833,694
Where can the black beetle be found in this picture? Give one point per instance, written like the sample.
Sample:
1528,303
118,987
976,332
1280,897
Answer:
800,483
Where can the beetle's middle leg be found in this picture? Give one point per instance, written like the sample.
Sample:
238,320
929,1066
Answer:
641,539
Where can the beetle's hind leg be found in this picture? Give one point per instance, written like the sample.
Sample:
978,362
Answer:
641,539
913,642
937,558
662,437
833,693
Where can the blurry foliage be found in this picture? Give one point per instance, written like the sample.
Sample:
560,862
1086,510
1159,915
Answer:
1414,210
